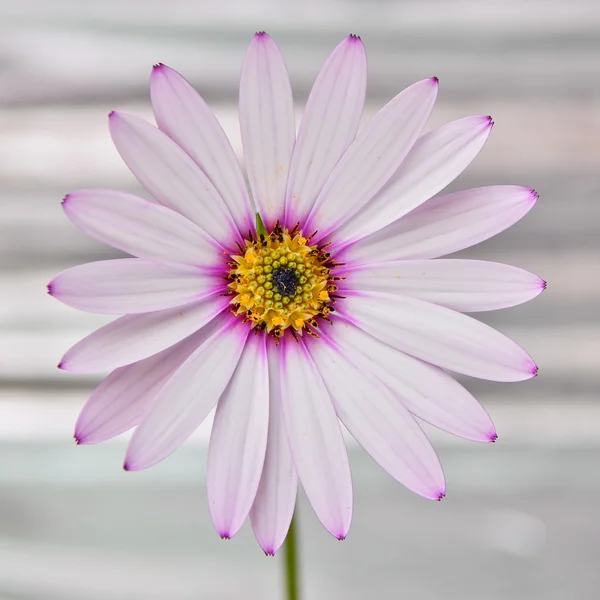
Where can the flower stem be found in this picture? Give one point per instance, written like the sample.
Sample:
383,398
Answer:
291,563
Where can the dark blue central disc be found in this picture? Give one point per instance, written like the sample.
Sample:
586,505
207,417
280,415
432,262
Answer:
285,281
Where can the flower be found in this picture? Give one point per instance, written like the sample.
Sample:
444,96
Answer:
332,305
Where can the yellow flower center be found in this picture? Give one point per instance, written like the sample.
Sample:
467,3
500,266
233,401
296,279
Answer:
279,281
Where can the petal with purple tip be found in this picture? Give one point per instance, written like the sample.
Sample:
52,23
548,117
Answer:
316,440
134,337
267,125
436,159
273,507
463,285
187,398
439,336
446,224
427,391
378,421
186,118
373,157
329,125
123,398
141,228
170,175
131,285
238,440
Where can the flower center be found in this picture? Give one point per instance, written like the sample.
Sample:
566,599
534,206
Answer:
280,281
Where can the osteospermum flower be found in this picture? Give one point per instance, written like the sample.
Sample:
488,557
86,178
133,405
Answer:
332,305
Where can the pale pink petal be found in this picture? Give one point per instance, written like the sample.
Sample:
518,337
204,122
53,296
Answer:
446,224
273,506
186,118
425,390
378,421
171,176
238,440
135,337
141,228
463,285
131,285
122,399
436,159
439,336
329,125
316,439
267,125
373,157
187,398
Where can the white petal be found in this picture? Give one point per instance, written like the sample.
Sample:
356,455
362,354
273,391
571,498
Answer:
316,439
439,336
378,420
187,398
141,228
186,118
273,506
425,390
267,125
329,125
135,337
122,399
446,224
373,157
171,176
463,285
436,159
131,285
238,440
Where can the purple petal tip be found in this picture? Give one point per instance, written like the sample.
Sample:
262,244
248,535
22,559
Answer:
543,284
441,496
261,35
534,370
65,199
127,466
534,196
50,288
435,80
61,365
158,66
112,114
225,536
493,437
354,37
269,552
341,537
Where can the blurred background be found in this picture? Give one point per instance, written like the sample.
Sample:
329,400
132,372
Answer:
521,518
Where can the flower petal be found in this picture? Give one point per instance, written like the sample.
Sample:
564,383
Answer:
446,224
141,228
439,336
425,390
463,285
238,440
273,507
122,399
267,125
316,440
187,398
186,118
373,157
329,125
134,337
378,421
436,159
170,175
131,285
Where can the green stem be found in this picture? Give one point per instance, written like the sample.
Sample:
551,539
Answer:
291,562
